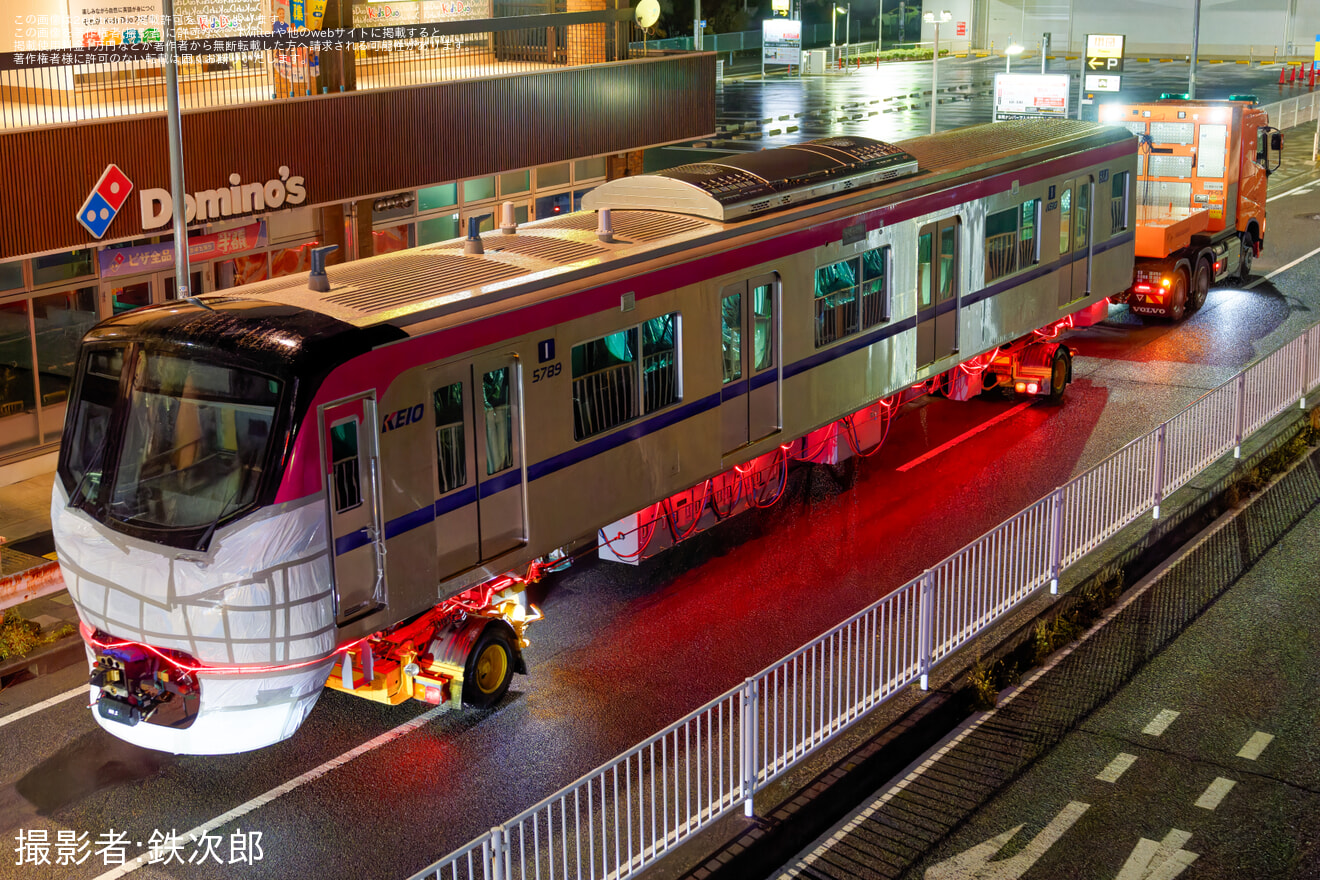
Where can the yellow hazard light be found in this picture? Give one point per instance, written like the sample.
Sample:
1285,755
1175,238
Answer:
1166,282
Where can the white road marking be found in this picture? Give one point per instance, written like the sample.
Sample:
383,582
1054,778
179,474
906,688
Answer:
1259,740
1161,722
1158,861
1117,767
1300,259
1215,793
1009,413
263,799
975,862
1305,187
45,704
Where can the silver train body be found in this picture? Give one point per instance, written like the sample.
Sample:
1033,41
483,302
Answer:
471,413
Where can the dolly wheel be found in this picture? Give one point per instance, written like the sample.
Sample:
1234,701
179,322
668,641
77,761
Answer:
1059,372
489,668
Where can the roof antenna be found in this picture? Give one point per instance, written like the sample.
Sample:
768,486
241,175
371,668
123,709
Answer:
319,280
508,225
604,225
472,245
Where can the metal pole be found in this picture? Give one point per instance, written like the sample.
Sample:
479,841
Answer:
847,25
1196,42
174,135
1081,79
934,77
834,15
696,25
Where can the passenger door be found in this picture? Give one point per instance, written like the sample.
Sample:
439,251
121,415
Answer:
457,539
351,469
497,410
1075,230
937,290
749,335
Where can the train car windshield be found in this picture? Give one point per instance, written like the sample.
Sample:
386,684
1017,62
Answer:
196,437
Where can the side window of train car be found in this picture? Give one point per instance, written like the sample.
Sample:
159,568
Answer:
1011,242
450,448
852,295
498,411
1118,203
344,457
626,374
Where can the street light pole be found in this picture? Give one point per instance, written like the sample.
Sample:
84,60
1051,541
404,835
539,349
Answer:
834,16
931,18
174,136
1196,43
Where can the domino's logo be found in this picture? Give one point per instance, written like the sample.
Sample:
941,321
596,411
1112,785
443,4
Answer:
108,196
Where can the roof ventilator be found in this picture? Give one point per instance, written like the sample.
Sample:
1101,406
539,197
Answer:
472,245
604,225
508,225
319,280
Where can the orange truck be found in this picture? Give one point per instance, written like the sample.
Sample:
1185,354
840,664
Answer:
1200,197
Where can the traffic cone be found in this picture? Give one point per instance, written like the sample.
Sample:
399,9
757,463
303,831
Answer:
1292,75
1283,80
1310,80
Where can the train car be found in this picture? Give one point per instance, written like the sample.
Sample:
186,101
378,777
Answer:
347,478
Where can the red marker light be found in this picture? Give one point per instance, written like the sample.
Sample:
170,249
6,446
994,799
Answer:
1033,388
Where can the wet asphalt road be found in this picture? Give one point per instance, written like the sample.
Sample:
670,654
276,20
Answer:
623,652
1181,737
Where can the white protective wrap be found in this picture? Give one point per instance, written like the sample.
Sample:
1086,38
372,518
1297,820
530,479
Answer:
261,596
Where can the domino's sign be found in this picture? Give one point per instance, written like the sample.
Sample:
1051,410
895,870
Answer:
107,197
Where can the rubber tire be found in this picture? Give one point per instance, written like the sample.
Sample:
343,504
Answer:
1060,370
1200,287
1248,254
1177,308
494,638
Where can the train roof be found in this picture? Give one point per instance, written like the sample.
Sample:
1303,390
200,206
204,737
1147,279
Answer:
657,214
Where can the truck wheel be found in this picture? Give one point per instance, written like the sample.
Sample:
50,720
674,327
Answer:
1200,287
1177,307
489,667
1248,254
1060,370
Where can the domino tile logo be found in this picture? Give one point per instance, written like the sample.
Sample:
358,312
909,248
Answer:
107,197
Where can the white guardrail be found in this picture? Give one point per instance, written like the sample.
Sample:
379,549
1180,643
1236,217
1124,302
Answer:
632,810
1293,112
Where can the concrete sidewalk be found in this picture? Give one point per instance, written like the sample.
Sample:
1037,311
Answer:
26,559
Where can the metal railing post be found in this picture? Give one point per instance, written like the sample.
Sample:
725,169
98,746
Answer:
747,745
497,854
1056,541
1306,364
1160,455
1240,416
925,625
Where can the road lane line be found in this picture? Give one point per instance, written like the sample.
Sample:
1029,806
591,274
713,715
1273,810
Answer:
1300,259
963,436
45,704
1161,722
1215,793
1117,767
263,799
1259,740
1297,189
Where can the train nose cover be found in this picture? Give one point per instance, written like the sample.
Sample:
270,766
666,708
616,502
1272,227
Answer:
256,611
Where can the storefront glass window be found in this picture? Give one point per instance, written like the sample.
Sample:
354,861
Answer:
515,182
550,206
478,190
432,198
577,197
552,175
292,260
240,270
589,169
387,241
130,296
60,320
55,268
437,229
17,394
11,275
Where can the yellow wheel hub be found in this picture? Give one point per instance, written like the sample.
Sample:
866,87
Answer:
492,666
